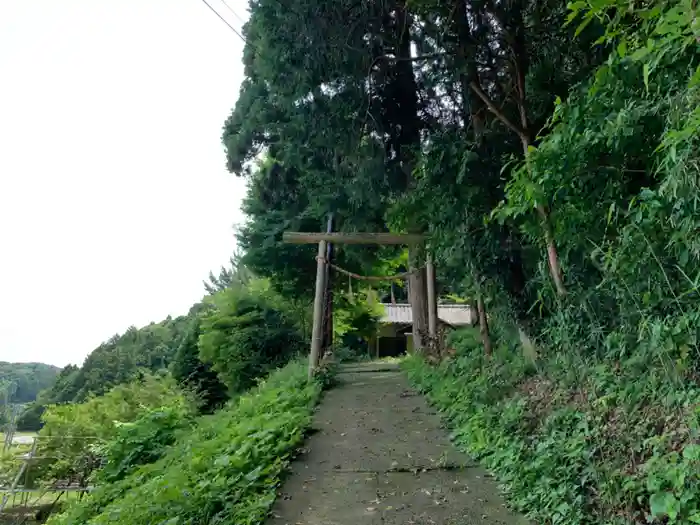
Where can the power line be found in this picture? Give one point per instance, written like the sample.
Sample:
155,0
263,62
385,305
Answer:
225,21
234,13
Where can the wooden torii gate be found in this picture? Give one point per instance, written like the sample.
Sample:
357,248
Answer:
322,239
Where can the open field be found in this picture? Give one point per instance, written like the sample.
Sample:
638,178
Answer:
24,507
20,438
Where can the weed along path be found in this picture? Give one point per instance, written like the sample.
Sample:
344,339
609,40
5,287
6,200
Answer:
378,455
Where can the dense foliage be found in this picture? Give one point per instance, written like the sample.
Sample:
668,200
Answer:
72,440
398,116
246,333
572,442
142,441
225,470
420,117
22,382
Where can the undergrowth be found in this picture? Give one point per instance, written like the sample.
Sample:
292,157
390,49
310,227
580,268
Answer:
573,441
225,470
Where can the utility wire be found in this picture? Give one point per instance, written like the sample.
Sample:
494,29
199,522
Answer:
234,13
225,21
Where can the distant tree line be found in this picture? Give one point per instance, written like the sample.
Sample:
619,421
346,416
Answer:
22,382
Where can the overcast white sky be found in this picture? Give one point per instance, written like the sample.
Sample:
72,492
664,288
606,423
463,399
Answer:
114,198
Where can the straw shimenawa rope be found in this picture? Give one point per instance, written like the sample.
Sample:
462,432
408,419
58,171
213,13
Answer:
369,277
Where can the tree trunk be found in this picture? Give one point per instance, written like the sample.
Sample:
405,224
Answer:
484,331
472,105
483,325
417,295
552,255
521,64
515,30
406,143
481,311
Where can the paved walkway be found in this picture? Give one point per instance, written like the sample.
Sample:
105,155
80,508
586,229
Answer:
378,455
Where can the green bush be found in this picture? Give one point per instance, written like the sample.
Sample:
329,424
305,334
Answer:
226,470
73,438
612,443
144,441
245,335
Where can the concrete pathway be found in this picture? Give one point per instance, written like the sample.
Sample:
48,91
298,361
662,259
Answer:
378,455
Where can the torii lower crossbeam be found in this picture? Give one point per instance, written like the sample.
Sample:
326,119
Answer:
352,238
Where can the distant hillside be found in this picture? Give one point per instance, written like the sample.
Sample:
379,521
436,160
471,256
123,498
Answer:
118,360
24,381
